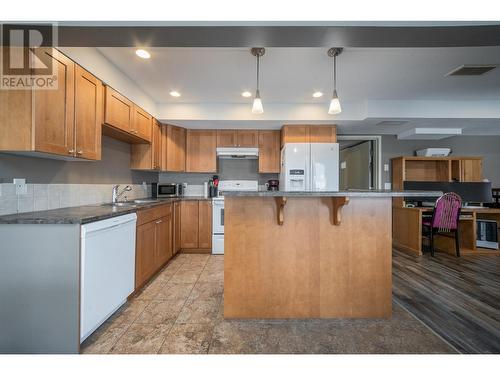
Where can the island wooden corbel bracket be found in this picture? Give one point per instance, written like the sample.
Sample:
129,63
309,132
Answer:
280,205
337,204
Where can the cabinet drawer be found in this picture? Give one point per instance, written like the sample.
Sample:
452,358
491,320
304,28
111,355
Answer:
150,214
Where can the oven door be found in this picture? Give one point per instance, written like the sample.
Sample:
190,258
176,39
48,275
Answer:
218,216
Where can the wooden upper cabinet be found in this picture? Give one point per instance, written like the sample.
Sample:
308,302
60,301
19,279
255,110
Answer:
237,138
124,120
248,138
173,149
467,170
323,134
65,121
201,151
142,123
54,109
119,111
472,170
308,134
89,112
269,151
205,224
156,144
148,156
227,138
294,134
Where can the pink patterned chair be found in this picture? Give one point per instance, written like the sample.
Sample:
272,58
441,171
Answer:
444,219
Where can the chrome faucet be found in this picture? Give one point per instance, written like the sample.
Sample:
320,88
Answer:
117,195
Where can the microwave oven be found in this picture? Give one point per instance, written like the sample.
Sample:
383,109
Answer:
166,190
487,234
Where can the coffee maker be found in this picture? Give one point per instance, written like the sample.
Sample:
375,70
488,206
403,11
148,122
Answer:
273,185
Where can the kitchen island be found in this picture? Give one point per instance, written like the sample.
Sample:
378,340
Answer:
309,254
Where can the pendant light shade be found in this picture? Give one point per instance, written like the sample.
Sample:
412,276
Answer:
257,107
335,107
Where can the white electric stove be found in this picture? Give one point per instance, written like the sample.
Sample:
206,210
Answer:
218,209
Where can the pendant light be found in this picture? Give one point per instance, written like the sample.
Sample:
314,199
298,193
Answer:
335,102
257,107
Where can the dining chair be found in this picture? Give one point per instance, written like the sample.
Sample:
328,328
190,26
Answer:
444,220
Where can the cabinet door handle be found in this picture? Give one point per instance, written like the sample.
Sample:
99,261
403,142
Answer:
80,152
159,222
71,151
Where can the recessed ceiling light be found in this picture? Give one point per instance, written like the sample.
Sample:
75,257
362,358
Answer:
175,94
317,94
246,94
143,54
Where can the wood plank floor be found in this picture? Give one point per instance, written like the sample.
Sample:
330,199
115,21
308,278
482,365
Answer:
459,298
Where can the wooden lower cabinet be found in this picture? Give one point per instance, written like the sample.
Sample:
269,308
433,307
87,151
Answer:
205,224
145,253
177,228
154,242
196,226
163,248
189,224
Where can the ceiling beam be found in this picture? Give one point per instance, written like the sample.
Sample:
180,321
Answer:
279,36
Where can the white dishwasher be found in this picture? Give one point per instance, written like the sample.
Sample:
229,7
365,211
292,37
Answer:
107,269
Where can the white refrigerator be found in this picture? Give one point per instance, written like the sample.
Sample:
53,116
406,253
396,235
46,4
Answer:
310,167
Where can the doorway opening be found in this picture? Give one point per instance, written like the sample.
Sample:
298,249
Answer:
360,162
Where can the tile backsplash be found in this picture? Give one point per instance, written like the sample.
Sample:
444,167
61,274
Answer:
41,197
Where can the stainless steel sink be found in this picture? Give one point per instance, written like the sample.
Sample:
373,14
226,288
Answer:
121,204
146,200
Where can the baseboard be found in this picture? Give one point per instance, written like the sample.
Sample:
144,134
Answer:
196,251
406,249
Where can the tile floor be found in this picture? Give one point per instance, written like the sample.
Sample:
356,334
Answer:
181,311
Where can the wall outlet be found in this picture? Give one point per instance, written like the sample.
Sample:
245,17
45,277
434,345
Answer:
387,186
386,167
21,187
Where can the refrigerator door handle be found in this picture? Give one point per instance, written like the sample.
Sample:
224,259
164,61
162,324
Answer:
312,174
310,171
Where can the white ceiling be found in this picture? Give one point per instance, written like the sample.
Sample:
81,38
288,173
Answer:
375,84
291,75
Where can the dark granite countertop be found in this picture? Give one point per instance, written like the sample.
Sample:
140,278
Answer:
86,214
341,193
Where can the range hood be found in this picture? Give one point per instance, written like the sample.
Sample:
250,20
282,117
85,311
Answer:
237,152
